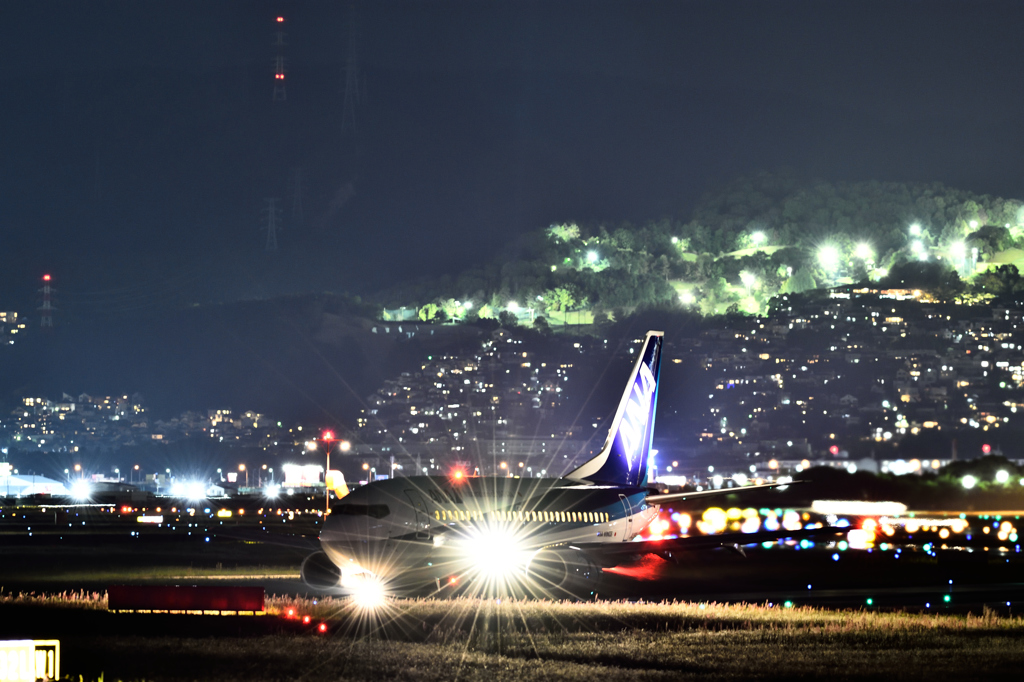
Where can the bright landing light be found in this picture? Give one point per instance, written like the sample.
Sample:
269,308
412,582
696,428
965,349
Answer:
81,490
496,554
368,593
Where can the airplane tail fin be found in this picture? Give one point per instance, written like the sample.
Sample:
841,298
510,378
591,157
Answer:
623,459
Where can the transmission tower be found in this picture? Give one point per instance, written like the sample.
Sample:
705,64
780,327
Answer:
280,43
272,216
348,107
46,310
296,187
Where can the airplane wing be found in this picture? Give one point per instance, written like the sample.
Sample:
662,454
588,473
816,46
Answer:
618,551
662,498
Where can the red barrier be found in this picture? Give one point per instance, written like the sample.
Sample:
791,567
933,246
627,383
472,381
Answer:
192,599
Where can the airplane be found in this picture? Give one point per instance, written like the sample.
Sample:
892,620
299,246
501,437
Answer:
546,537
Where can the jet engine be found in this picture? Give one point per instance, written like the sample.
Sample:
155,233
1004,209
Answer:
563,572
319,572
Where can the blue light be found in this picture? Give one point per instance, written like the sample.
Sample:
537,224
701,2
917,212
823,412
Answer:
206,540
835,557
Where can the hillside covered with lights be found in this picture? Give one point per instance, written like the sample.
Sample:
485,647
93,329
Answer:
759,237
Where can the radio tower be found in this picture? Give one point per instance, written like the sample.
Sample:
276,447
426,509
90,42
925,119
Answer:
279,44
273,216
46,310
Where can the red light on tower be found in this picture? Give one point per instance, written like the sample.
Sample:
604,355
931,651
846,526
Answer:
46,278
834,450
986,449
327,435
280,20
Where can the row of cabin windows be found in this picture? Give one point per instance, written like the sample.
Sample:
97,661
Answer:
525,516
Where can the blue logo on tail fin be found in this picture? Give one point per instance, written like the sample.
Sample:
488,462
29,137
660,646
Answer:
623,459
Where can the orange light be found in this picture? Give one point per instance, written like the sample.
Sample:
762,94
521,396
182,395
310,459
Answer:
291,613
280,20
458,474
453,580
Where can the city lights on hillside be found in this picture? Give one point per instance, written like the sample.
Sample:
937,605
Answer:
828,257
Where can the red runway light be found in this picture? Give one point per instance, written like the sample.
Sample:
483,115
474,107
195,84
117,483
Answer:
290,613
305,620
322,627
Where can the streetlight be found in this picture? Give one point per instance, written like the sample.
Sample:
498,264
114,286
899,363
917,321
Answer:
327,437
958,253
828,258
118,472
749,280
241,467
864,252
758,238
919,250
344,446
136,469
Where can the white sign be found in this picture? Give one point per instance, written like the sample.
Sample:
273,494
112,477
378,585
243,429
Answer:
29,660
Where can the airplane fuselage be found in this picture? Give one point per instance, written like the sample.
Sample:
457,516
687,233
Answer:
428,526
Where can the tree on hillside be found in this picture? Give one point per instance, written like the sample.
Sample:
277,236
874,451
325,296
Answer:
1003,282
561,299
507,319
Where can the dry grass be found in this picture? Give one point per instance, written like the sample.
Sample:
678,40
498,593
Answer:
470,639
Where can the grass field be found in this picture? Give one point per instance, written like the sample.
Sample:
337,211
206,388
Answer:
468,639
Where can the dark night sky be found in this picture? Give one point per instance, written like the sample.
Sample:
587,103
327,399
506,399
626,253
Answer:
139,138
